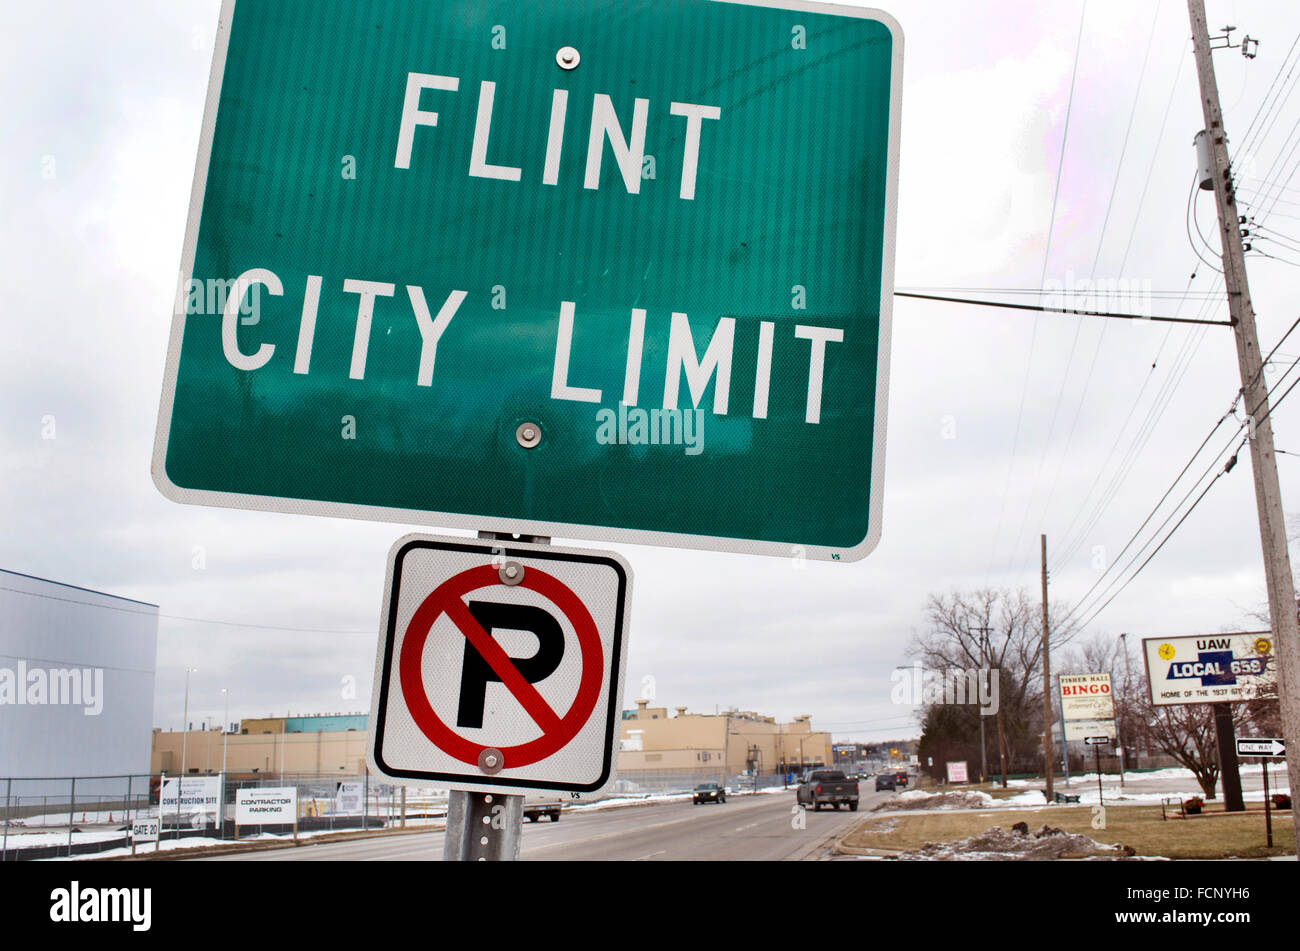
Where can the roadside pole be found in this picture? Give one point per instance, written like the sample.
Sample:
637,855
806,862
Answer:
72,808
1268,810
1047,681
1229,771
1268,494
1096,753
483,827
1065,749
128,813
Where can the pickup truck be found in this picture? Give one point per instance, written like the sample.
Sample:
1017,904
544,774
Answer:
535,807
827,787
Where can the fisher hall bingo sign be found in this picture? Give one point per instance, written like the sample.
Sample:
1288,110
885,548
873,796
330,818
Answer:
592,268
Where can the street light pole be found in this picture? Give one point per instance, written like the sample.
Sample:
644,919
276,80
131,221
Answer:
225,734
185,737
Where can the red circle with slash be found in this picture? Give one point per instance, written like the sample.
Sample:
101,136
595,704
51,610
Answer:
556,730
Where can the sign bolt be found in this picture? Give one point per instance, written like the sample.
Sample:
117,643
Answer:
491,761
528,435
511,573
568,58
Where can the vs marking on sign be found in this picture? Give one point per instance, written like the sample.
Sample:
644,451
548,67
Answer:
500,673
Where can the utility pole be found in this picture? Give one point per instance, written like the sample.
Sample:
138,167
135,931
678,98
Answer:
1268,494
1124,710
984,659
1048,758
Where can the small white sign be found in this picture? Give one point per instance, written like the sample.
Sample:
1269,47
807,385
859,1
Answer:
269,806
198,796
144,830
1076,730
347,799
957,772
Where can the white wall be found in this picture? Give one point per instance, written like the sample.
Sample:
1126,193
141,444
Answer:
48,625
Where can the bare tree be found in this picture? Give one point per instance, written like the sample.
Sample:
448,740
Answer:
998,630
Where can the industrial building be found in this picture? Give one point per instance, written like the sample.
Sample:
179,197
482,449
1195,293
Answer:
652,741
77,674
652,745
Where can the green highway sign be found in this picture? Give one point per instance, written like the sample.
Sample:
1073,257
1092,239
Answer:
608,269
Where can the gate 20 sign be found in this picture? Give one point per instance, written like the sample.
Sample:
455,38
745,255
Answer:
581,268
500,667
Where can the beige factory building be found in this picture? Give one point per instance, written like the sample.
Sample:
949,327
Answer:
650,741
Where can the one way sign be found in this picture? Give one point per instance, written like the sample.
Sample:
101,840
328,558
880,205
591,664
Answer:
500,666
1260,746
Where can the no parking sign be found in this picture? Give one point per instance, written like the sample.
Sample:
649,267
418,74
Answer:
500,666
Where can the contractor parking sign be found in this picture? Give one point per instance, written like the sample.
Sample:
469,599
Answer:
500,666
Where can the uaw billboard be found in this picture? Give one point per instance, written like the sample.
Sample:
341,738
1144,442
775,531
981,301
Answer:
1211,668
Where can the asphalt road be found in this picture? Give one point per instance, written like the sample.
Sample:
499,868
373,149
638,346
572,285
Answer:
753,828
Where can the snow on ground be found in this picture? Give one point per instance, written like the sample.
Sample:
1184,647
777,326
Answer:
996,844
185,844
956,799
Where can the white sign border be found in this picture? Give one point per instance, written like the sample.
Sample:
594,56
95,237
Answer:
786,549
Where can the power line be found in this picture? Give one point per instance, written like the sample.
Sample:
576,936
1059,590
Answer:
1048,291
181,617
1156,508
1191,214
1078,326
1217,477
1159,405
1096,261
1047,254
1078,608
1062,310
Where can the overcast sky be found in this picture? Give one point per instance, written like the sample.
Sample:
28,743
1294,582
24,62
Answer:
100,111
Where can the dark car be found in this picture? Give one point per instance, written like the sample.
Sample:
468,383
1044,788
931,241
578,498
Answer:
886,781
709,792
901,776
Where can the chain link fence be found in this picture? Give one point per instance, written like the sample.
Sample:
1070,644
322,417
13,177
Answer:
62,817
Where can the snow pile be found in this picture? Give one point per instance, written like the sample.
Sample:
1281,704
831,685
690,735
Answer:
960,799
996,844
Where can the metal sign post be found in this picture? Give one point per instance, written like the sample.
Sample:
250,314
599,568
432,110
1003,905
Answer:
1096,743
483,827
1268,808
1265,748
